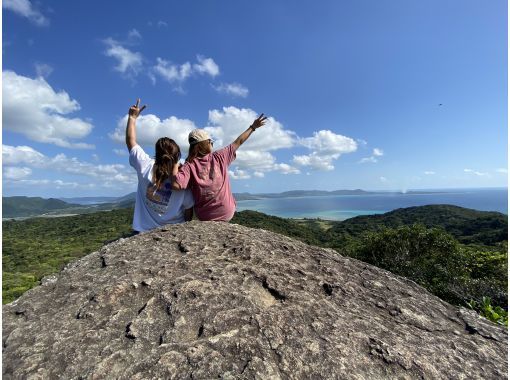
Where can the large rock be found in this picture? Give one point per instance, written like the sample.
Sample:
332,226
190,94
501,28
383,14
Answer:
216,300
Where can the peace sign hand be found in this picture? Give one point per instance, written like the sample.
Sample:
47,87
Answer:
134,111
259,121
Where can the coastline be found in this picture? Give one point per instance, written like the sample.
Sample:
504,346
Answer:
342,207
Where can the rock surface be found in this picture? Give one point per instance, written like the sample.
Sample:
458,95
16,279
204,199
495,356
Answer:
216,300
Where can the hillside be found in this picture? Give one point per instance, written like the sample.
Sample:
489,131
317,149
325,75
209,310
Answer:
20,207
466,225
239,303
37,247
28,206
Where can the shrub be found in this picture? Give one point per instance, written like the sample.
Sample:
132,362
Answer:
430,257
492,313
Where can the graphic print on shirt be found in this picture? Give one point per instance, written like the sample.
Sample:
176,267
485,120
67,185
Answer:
157,200
208,174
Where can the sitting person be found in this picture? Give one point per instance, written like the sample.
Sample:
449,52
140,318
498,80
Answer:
206,173
156,203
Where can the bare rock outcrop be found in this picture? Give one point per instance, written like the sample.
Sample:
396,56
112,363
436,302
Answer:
216,300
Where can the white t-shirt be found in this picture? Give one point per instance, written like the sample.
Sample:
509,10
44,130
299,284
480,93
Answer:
155,208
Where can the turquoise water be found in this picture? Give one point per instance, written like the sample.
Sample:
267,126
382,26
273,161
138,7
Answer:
341,207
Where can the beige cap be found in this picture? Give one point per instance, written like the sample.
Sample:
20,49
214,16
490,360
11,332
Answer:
198,135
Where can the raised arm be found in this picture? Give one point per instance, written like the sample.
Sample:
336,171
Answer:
134,111
257,123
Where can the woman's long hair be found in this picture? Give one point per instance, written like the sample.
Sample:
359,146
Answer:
200,149
167,154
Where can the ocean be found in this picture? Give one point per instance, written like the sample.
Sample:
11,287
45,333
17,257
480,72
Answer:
341,207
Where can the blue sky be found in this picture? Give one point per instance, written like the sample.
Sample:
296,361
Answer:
361,94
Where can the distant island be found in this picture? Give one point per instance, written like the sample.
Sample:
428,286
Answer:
322,193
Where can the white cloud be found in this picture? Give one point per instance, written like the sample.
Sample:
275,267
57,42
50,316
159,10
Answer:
255,160
134,35
286,169
43,70
178,74
121,152
326,147
261,162
383,179
502,170
480,174
24,8
429,173
227,124
373,159
378,152
46,182
238,174
31,107
233,89
171,72
368,159
315,161
258,174
16,173
206,66
106,175
21,155
159,24
29,182
59,184
326,142
128,62
149,128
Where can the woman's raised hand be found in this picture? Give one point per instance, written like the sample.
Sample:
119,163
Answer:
259,121
134,111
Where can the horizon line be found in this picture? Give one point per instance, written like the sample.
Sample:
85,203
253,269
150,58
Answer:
284,191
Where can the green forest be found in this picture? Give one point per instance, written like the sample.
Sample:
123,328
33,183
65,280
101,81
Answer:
458,254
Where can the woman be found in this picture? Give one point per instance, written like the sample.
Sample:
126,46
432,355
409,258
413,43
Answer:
156,203
206,173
